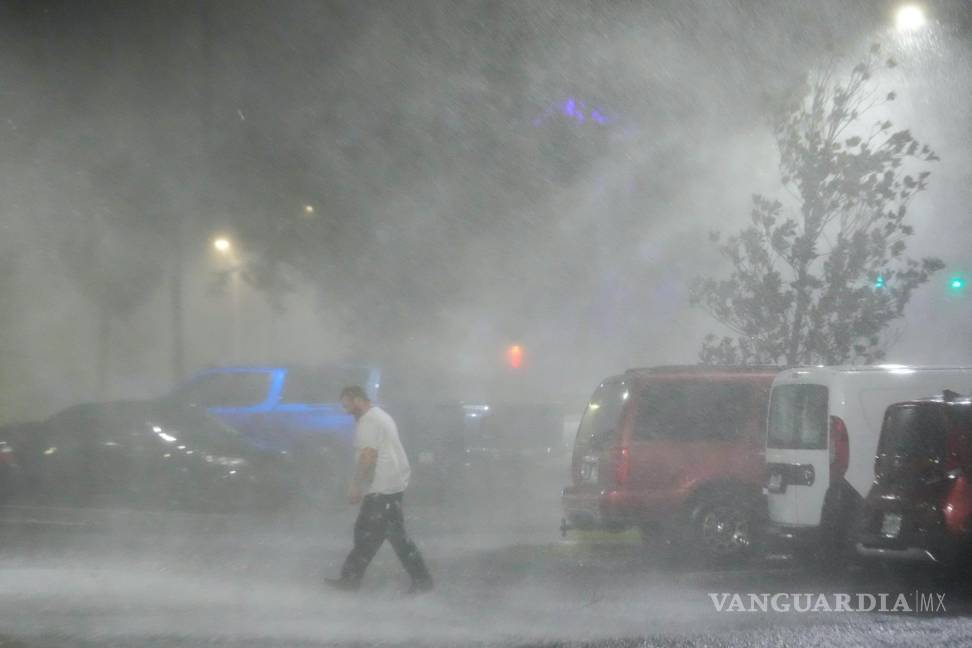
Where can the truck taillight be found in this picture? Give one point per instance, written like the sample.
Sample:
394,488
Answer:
622,466
839,448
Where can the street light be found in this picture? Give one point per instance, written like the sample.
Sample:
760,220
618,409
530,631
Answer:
910,18
309,210
222,245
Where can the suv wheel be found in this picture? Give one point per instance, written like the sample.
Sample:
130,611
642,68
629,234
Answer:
724,529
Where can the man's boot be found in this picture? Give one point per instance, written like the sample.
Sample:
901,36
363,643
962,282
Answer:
342,584
420,587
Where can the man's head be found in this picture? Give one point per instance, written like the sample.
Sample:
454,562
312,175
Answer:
355,400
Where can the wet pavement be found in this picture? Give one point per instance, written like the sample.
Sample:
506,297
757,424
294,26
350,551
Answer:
502,579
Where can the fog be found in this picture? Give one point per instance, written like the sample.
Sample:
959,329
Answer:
416,186
457,202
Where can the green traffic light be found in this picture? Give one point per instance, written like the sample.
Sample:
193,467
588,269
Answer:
879,282
956,283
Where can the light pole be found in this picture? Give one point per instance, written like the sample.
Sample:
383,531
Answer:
224,247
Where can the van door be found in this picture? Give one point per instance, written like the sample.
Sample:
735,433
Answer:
797,456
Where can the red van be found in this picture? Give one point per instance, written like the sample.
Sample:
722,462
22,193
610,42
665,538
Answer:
676,450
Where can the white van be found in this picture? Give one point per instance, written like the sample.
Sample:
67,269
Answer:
822,435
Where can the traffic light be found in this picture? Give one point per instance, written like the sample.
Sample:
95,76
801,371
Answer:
514,356
879,282
956,283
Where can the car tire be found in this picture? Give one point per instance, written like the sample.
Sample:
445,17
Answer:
724,529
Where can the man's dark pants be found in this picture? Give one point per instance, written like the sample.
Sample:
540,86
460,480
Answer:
381,518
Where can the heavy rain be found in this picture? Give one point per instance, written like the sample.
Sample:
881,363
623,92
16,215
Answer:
624,323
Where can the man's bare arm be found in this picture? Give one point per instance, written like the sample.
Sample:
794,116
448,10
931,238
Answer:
364,472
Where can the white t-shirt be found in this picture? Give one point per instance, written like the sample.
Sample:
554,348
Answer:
376,429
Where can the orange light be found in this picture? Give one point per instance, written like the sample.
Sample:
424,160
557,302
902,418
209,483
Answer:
514,356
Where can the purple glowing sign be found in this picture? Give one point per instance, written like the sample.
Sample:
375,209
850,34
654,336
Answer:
573,109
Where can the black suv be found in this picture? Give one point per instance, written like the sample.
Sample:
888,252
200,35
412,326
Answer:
920,506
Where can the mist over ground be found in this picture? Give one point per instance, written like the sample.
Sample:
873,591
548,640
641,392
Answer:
503,579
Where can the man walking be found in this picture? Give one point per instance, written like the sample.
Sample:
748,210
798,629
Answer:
380,478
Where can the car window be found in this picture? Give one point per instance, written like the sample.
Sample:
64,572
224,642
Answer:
914,431
960,416
603,413
799,417
315,386
692,410
225,389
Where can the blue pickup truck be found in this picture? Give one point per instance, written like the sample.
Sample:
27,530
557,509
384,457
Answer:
279,408
286,409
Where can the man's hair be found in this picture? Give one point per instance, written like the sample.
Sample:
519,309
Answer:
354,391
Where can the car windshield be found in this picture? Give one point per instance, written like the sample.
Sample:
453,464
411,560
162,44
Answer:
198,429
914,431
798,417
